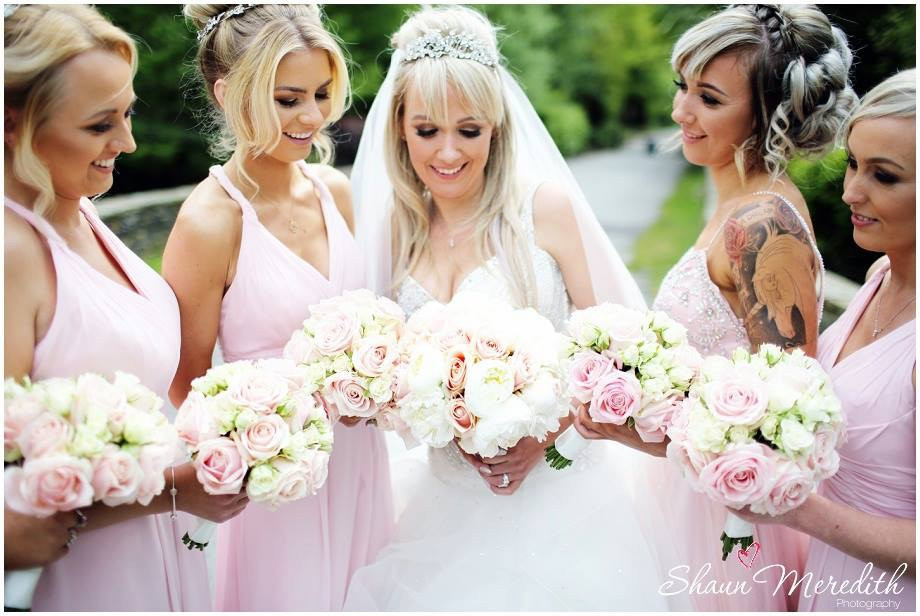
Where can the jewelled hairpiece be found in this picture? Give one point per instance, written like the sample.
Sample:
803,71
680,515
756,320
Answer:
461,45
213,22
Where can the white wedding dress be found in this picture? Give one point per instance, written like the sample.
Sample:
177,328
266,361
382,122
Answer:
565,540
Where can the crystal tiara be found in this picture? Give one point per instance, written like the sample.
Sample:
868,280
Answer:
462,45
213,22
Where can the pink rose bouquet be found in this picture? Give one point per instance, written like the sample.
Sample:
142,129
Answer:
630,367
348,349
69,442
255,425
478,371
758,430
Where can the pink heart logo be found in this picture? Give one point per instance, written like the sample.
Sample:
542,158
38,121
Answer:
746,557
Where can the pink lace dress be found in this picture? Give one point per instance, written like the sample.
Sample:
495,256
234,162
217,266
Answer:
101,326
694,523
878,461
301,556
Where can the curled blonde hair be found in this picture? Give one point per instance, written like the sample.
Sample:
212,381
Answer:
37,41
245,50
895,97
479,89
799,77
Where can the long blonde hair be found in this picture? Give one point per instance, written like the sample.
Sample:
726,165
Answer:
37,41
245,50
498,215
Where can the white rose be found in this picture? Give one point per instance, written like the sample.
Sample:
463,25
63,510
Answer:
794,438
86,443
425,369
58,395
715,366
246,418
489,384
380,388
705,432
261,482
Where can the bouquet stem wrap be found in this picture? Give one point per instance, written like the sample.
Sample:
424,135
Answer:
736,532
19,587
567,448
200,537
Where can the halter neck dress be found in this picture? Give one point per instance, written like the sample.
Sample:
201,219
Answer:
878,460
301,556
694,522
99,325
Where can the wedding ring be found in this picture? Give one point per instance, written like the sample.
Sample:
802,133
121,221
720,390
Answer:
506,481
81,518
71,536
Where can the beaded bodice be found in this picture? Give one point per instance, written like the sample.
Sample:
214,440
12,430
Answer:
688,295
488,279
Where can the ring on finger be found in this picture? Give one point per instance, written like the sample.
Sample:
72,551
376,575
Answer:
71,536
506,481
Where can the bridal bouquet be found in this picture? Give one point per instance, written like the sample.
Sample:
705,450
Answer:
348,349
758,430
255,425
68,442
479,371
631,367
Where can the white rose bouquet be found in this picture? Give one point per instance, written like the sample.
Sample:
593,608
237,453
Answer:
349,349
481,372
69,442
255,424
758,430
630,367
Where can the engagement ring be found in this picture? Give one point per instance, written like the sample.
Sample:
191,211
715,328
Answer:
506,481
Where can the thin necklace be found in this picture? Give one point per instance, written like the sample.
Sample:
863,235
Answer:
876,330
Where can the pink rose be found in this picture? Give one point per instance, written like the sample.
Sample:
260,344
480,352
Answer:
335,333
491,345
219,466
263,439
586,370
525,368
294,482
346,395
653,421
624,326
293,374
737,399
16,416
195,420
451,337
690,460
258,389
304,407
617,397
318,466
791,487
300,348
46,434
374,355
154,460
824,459
43,486
457,358
741,476
430,318
117,477
459,416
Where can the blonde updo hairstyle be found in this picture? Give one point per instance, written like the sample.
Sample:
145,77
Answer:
245,50
38,40
799,67
479,88
896,97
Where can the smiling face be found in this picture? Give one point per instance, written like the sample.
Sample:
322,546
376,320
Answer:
302,101
449,157
89,126
880,184
715,112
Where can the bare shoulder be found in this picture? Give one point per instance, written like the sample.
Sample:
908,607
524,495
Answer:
340,188
209,213
783,215
553,217
22,245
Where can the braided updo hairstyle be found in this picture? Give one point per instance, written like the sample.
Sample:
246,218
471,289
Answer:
799,66
245,49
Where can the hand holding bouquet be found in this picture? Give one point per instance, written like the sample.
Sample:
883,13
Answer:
758,430
630,367
69,442
255,425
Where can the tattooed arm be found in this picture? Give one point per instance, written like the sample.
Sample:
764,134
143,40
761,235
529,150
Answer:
774,270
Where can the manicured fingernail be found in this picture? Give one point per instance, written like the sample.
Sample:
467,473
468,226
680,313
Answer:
485,470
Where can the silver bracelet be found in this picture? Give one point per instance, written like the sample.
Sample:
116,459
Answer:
172,492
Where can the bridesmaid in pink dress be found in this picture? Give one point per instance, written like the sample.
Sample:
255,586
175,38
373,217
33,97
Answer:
754,275
260,240
78,300
865,515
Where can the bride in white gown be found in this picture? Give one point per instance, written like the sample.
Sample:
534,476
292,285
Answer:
460,188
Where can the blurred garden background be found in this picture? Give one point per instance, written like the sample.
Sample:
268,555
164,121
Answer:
597,74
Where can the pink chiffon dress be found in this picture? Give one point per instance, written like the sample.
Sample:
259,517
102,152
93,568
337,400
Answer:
878,463
101,326
689,552
301,556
